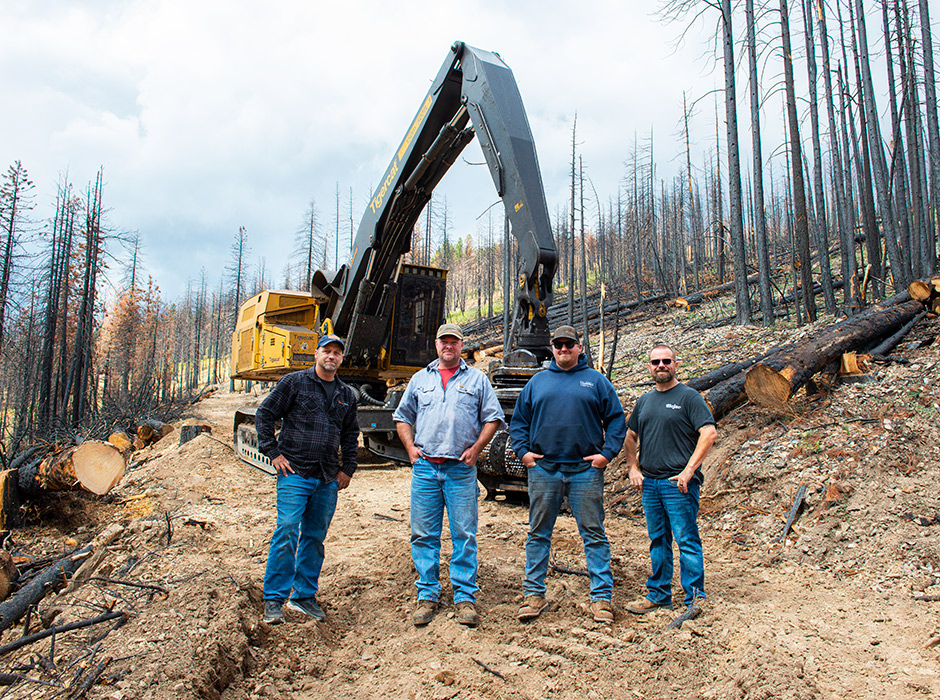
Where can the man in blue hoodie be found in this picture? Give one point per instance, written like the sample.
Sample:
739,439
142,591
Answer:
567,425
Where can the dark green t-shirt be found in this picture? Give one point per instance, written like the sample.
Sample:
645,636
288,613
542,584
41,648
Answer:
668,423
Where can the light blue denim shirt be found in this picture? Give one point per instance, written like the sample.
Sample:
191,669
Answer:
448,422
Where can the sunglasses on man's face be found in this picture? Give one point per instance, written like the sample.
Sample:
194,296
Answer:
559,344
667,361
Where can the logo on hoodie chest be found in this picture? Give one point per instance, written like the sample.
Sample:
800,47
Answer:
586,383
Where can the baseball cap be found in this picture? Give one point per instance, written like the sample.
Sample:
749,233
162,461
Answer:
566,332
331,338
450,329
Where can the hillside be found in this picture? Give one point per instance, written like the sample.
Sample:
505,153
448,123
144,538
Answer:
831,612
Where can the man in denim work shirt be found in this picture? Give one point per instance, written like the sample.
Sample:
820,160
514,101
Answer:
447,415
318,414
567,425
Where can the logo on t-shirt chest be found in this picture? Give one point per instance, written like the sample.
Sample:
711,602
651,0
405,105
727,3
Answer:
674,406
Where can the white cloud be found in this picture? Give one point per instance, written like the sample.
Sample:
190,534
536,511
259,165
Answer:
208,115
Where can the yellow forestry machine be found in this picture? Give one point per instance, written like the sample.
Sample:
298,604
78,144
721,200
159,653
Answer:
389,311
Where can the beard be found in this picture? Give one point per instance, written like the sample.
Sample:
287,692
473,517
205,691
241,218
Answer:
663,377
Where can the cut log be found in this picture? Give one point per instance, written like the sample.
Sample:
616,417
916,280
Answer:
773,382
890,343
188,432
152,430
9,498
51,578
919,290
726,396
93,465
716,376
121,440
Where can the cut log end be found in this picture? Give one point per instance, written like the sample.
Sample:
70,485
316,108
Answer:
767,387
919,290
98,467
93,465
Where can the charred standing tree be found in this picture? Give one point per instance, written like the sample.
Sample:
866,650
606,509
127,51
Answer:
933,130
843,218
772,383
14,200
800,214
822,226
760,222
742,301
879,165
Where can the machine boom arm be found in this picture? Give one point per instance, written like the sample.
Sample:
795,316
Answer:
474,93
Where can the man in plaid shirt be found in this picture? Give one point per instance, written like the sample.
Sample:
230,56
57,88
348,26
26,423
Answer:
318,414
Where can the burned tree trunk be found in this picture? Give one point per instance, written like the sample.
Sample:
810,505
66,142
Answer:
51,578
772,383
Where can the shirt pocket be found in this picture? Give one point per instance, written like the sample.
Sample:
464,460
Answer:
425,396
467,404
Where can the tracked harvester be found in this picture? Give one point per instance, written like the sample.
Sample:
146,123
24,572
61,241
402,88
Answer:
389,311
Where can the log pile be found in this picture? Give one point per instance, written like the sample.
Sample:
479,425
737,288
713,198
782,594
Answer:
927,292
151,431
773,379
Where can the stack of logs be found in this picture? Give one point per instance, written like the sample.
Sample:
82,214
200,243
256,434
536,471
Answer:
95,466
926,292
771,379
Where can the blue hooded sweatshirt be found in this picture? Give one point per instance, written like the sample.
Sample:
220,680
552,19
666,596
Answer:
567,416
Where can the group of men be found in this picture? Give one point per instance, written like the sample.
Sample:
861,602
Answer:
567,425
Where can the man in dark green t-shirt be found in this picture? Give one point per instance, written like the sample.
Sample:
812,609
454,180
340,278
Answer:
675,430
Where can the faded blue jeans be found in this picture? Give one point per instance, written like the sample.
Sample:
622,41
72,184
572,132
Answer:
585,491
434,487
305,508
671,514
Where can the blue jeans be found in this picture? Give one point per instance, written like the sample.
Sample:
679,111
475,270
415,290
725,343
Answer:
305,508
585,491
434,487
672,514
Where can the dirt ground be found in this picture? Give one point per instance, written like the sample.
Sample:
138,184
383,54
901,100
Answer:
830,612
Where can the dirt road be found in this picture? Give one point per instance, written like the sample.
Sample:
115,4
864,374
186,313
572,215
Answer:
830,613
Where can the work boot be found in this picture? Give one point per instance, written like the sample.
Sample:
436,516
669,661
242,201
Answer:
602,611
532,607
467,614
641,606
306,606
424,613
272,612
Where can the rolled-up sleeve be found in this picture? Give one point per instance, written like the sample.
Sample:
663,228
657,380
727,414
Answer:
407,411
490,410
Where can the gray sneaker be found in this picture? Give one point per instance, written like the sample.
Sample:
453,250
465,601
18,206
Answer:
272,612
306,606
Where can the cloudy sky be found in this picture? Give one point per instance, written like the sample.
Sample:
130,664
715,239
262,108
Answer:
207,115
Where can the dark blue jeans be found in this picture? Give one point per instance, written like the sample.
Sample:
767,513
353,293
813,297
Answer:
305,508
670,515
585,491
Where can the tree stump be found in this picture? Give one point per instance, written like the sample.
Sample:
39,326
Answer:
8,574
188,432
9,498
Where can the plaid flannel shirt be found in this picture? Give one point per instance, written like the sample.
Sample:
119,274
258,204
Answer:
312,433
